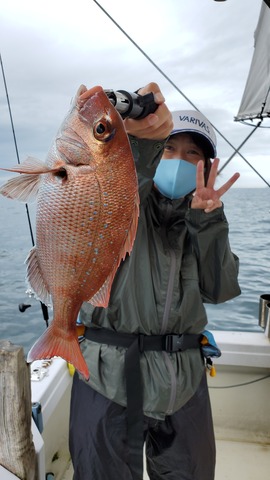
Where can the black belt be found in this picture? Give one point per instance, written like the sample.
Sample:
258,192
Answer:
136,344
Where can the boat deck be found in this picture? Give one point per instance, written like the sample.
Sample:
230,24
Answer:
235,460
239,460
240,405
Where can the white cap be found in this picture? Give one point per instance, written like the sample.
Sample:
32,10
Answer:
192,121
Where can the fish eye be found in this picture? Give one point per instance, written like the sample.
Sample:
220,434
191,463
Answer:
103,130
100,129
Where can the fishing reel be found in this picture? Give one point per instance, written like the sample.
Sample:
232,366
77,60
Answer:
132,105
24,306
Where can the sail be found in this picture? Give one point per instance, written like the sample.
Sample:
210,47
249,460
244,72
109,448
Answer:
256,97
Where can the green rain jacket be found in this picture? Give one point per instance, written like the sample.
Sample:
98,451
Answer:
181,258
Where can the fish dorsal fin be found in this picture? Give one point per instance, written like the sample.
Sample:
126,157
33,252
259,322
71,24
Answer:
101,298
132,230
35,279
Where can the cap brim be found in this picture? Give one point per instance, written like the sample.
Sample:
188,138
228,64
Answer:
209,147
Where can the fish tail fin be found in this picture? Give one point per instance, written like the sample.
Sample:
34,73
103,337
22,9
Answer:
54,342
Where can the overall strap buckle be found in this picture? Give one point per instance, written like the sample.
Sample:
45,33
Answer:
173,343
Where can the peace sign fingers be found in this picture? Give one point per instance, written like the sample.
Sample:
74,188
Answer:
205,196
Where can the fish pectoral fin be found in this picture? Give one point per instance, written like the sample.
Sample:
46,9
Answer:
25,187
31,166
35,279
55,342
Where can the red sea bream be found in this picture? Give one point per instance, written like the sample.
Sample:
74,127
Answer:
86,221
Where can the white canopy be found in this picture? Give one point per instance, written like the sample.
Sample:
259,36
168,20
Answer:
256,98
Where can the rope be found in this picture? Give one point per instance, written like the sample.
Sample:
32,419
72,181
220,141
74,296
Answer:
242,384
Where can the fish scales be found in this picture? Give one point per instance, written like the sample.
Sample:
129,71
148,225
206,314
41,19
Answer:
69,255
86,220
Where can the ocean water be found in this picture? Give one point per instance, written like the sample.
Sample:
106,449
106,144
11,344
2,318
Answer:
248,213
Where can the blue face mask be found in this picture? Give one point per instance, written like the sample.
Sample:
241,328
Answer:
175,178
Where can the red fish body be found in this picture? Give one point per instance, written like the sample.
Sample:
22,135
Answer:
86,221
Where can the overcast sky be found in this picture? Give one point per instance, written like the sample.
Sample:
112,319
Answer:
205,47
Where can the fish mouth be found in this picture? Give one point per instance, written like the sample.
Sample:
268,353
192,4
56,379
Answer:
85,94
85,97
91,101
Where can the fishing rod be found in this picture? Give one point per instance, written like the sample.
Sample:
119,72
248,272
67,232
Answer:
22,306
132,105
236,150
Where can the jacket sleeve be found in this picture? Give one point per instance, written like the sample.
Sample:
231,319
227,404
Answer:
147,154
218,267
